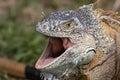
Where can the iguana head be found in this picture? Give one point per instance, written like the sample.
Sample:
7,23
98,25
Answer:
68,45
62,23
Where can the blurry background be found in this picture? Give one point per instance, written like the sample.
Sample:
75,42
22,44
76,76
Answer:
18,39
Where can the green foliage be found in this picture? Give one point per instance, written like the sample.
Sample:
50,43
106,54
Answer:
85,1
20,41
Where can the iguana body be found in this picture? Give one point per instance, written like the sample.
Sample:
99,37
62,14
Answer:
83,45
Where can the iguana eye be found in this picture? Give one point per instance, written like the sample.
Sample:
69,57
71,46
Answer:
69,25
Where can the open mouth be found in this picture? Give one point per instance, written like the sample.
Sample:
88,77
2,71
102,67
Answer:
55,47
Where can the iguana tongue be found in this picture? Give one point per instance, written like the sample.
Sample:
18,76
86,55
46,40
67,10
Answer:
67,43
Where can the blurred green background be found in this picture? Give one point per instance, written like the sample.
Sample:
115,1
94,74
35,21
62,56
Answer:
18,39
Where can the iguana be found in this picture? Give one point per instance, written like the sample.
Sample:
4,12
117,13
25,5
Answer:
83,44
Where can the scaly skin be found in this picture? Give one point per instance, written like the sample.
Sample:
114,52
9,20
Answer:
93,57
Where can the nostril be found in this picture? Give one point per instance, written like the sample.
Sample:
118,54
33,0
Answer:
44,27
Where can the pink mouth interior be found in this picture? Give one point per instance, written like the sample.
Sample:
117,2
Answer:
55,47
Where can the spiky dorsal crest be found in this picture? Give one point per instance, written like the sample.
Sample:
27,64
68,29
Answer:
109,17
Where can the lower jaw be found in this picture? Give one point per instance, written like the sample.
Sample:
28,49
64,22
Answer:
43,62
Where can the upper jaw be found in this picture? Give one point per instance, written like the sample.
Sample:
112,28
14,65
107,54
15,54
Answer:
51,33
